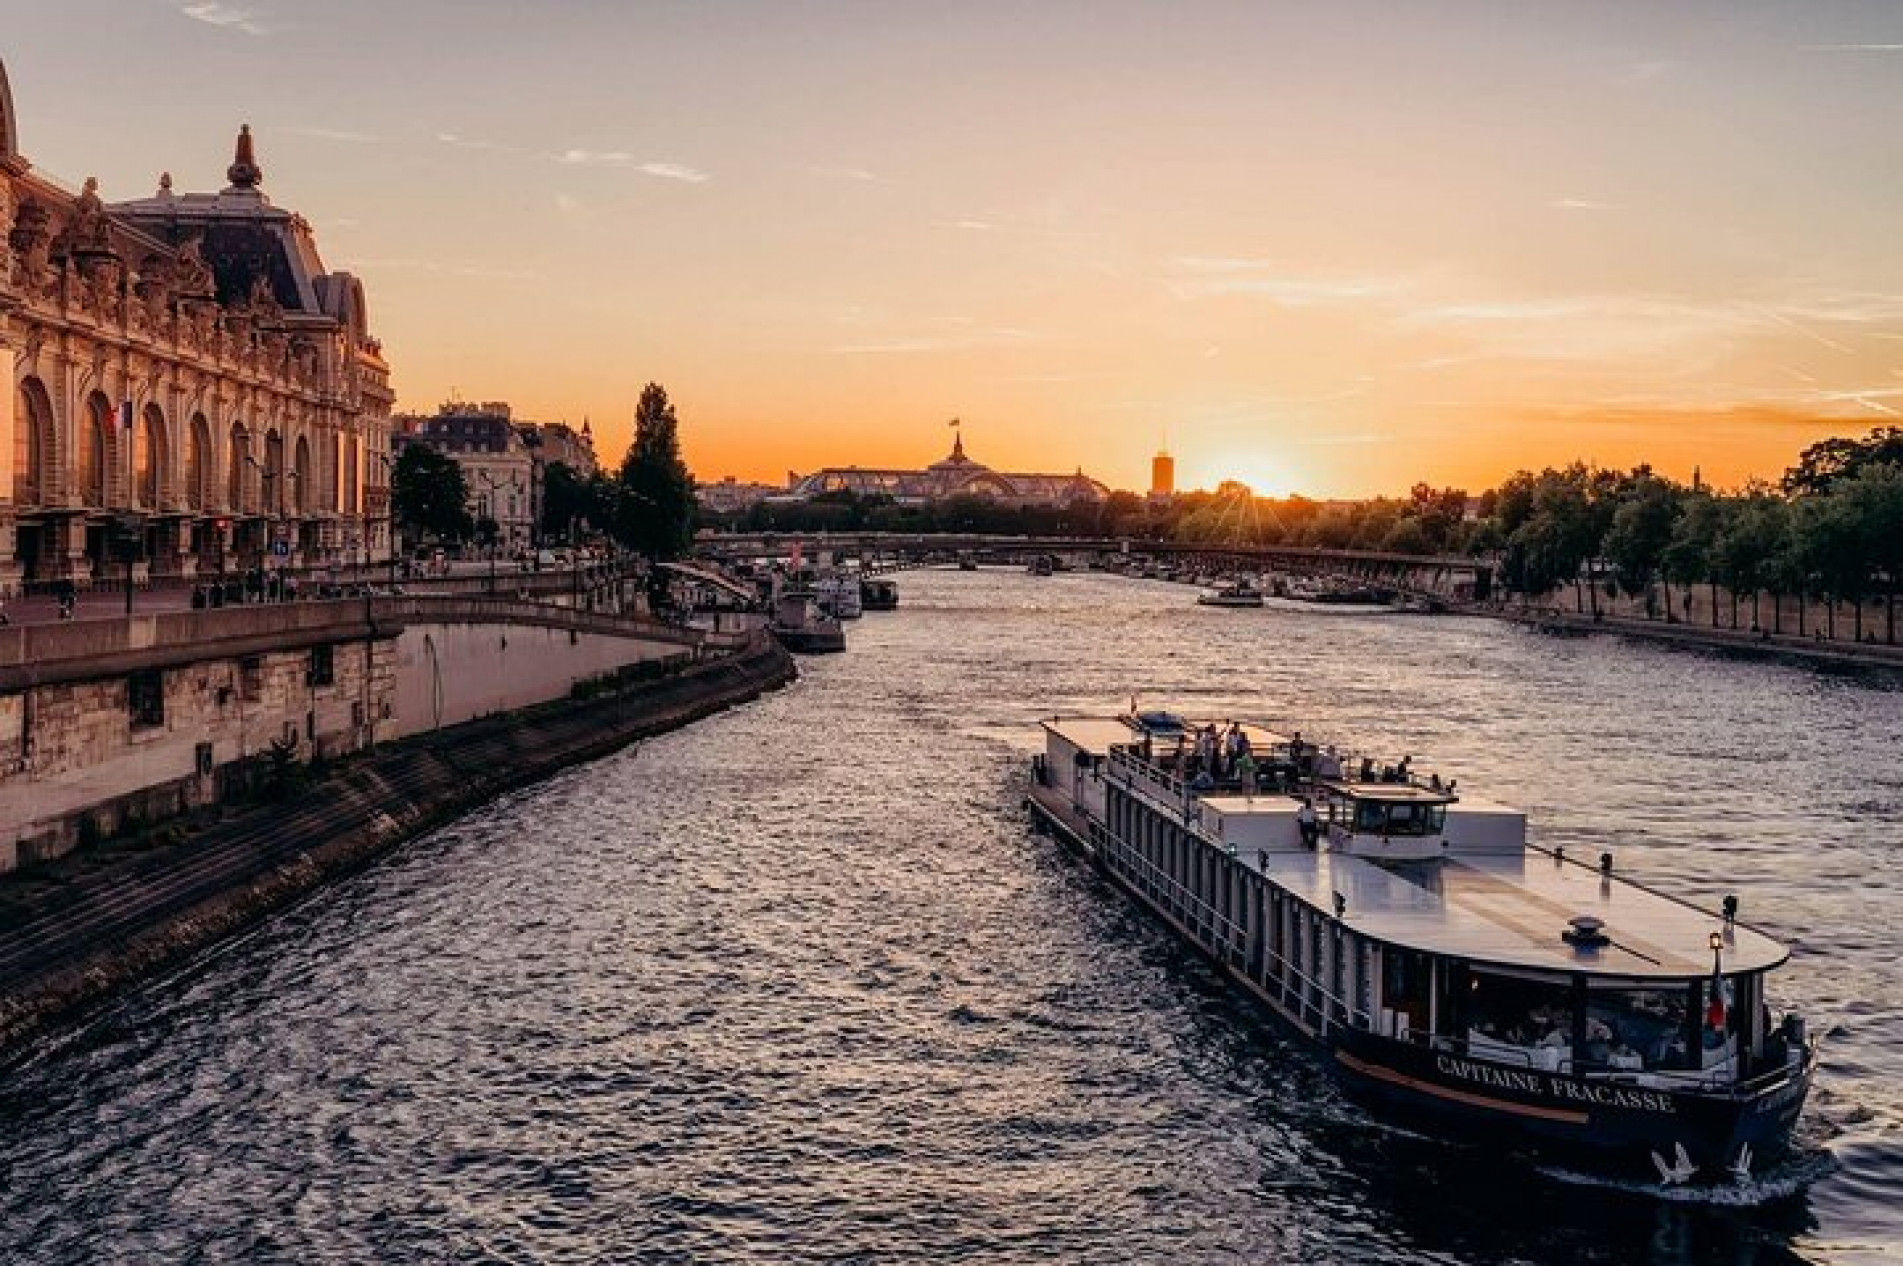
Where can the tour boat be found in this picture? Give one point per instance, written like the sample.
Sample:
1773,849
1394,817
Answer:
1237,594
1457,976
802,626
878,595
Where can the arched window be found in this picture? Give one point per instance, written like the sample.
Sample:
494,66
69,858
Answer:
301,471
95,450
274,478
238,471
151,459
198,465
33,470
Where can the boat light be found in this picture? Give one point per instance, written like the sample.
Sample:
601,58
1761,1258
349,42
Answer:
1716,942
1605,863
1731,909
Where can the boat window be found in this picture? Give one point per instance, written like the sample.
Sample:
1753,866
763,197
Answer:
1406,978
1638,1028
1515,1020
1380,818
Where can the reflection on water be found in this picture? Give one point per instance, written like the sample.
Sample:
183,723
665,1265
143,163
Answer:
799,985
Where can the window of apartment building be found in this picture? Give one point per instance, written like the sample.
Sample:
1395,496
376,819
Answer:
251,678
145,698
323,670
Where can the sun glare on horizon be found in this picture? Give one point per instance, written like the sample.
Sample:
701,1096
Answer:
1264,475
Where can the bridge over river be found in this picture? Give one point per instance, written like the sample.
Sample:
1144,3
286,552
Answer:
1431,576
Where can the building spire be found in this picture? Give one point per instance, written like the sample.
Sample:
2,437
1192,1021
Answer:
244,172
9,139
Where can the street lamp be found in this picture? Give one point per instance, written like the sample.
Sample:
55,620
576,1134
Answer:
514,485
266,475
128,532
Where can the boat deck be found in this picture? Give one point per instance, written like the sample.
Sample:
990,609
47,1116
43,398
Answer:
1505,907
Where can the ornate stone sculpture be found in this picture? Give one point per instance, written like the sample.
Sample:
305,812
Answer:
90,232
32,240
193,275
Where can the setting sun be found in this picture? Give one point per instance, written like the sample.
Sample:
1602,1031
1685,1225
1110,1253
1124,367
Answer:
1265,474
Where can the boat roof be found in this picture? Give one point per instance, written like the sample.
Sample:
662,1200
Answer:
1389,792
1510,910
1504,909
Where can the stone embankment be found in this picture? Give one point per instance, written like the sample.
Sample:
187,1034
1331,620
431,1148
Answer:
72,942
1762,644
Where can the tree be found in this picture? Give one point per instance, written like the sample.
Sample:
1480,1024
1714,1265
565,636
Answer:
1824,545
1872,507
567,497
1688,554
1751,539
1641,530
430,494
1821,465
654,510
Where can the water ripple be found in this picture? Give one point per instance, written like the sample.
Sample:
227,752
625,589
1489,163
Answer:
800,986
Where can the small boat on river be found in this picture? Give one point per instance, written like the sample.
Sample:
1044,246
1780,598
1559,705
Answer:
1457,976
803,626
1239,593
838,596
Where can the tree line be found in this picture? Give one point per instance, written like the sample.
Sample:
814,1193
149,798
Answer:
1831,530
646,505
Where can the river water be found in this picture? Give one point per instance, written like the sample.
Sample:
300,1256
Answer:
800,985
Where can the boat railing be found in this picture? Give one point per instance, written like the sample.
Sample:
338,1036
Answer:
1230,941
1129,766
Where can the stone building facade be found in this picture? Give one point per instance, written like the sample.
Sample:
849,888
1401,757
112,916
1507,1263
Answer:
190,387
499,468
955,476
504,460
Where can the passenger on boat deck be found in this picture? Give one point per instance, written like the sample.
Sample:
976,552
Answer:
1367,770
1306,821
1245,771
1328,764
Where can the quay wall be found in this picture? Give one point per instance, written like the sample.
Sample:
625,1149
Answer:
450,673
107,927
107,725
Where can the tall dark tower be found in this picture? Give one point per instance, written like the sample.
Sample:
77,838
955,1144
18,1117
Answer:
1162,475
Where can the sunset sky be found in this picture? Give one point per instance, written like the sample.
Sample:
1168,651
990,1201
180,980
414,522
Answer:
1331,248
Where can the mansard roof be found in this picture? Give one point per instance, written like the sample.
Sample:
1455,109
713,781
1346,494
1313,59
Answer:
252,247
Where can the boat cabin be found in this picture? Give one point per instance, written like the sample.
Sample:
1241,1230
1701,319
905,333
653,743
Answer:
1392,820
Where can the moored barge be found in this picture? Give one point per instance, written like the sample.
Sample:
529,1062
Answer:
1456,975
